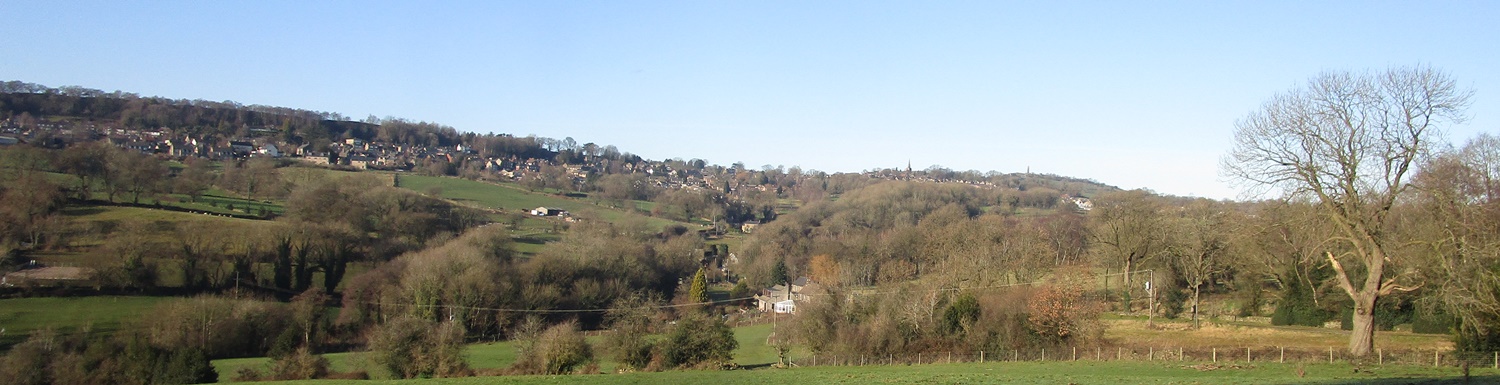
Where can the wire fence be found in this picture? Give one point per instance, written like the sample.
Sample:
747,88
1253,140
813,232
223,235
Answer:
1186,355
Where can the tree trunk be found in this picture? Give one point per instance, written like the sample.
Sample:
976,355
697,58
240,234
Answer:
1362,334
1196,324
1125,293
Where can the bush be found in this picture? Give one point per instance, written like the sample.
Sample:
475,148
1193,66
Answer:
187,366
696,340
1059,313
26,363
560,349
1436,323
414,347
300,365
960,315
1172,302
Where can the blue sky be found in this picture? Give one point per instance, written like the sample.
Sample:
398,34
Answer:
1134,94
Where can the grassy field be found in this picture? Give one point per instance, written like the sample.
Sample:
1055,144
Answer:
752,352
1174,333
99,315
1106,372
510,198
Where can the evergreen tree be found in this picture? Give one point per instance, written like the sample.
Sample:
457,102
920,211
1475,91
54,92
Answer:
699,291
779,273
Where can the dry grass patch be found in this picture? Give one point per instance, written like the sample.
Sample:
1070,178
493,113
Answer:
1135,332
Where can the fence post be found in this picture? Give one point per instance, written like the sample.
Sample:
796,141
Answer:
1098,353
1151,354
1380,356
1075,353
1119,353
1283,354
1434,357
1247,354
1216,355
981,356
861,360
1497,360
950,356
1330,355
1180,357
1044,355
890,359
815,359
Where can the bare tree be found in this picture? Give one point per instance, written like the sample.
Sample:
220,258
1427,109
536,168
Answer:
1348,142
1457,218
1197,243
1126,229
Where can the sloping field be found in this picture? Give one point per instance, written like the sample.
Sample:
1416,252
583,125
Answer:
98,315
513,199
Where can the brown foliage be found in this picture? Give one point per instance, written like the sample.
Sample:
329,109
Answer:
1060,313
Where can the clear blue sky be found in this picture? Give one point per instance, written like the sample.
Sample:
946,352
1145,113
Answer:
1134,94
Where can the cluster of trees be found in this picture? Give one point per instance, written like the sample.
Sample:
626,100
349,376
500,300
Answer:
592,267
424,305
176,341
924,318
896,231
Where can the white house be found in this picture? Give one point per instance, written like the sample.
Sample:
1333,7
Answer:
786,307
270,150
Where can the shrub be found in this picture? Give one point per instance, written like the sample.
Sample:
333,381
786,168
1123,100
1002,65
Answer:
26,363
414,347
960,315
187,366
1172,302
697,340
300,365
560,349
1059,313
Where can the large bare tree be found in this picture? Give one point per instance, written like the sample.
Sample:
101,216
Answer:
1348,142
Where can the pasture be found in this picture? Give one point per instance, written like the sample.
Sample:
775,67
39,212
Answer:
93,315
513,199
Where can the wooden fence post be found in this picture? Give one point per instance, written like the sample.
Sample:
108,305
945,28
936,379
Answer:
981,356
1247,354
1283,354
1179,354
1151,354
1216,355
1330,355
1075,353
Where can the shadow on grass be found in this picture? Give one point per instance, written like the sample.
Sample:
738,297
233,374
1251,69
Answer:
82,211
